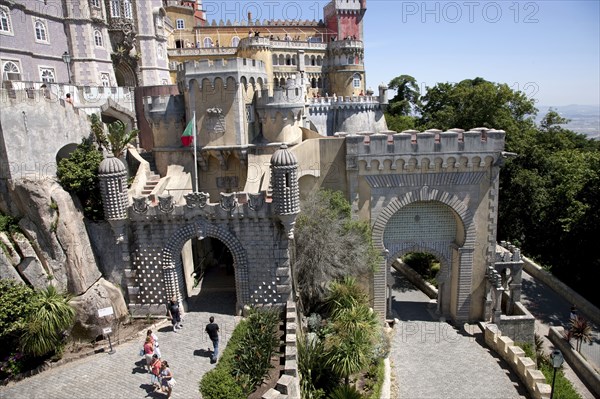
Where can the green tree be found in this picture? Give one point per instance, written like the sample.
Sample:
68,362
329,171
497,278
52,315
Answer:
119,137
98,131
78,174
407,95
329,245
44,327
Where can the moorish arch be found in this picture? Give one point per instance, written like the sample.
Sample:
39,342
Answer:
456,249
172,265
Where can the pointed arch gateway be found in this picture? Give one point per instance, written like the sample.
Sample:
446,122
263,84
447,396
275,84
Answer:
456,255
172,265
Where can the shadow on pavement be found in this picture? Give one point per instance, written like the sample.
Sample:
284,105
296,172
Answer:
411,311
213,301
150,393
140,367
544,304
401,284
203,353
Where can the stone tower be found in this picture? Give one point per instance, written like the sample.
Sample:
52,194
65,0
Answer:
113,188
286,194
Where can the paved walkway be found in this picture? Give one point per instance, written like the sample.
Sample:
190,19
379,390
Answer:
550,309
432,359
122,374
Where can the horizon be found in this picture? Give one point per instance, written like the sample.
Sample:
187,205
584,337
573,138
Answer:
516,42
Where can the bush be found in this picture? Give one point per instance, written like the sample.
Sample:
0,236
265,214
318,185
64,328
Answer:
563,388
345,392
220,384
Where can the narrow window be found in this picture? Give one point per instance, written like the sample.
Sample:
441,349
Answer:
127,9
235,41
40,31
356,81
115,8
180,24
4,22
98,38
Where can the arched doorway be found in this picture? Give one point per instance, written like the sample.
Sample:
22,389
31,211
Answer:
65,152
125,75
209,263
430,221
178,260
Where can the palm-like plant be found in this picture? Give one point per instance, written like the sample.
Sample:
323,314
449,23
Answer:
119,137
348,352
345,392
345,294
580,329
44,327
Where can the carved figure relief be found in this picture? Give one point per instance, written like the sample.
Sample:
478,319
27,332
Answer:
165,203
196,199
140,205
256,201
228,201
214,122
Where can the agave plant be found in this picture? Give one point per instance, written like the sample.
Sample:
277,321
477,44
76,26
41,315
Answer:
119,137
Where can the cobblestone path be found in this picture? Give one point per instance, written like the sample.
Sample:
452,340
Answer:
432,359
122,374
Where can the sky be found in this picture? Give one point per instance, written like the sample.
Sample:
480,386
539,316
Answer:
549,50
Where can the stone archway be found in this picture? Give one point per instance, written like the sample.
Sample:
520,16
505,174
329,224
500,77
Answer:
459,253
173,273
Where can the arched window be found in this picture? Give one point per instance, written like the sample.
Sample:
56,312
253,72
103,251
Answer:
356,81
127,9
282,82
95,3
105,79
98,38
235,41
351,60
294,59
313,83
275,59
11,71
319,60
40,31
5,21
281,59
288,60
208,42
313,60
115,8
47,75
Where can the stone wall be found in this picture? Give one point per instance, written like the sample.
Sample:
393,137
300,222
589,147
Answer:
523,366
520,327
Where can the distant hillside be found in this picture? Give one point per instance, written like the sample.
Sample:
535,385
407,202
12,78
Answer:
584,118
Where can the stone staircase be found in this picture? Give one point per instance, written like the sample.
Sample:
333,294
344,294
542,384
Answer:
154,178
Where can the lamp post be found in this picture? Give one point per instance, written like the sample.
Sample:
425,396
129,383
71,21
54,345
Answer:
557,361
66,57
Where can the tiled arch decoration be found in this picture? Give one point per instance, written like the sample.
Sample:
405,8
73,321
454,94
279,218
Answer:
173,267
465,269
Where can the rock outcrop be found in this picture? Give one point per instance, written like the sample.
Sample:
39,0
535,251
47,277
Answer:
103,294
54,248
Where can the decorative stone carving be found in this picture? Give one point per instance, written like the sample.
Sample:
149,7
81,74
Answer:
165,203
140,205
228,201
256,201
196,199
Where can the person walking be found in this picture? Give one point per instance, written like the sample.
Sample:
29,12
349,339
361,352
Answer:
148,352
150,334
212,329
175,314
167,378
155,372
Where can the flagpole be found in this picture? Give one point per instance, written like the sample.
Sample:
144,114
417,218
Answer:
195,154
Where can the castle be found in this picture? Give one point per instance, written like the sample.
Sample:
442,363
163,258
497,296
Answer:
278,115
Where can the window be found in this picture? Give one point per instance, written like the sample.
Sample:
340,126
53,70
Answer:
235,41
5,21
180,24
40,31
208,42
356,81
47,75
115,8
127,9
11,71
105,79
98,38
95,3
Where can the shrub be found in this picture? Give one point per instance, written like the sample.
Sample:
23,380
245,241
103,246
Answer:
220,384
345,392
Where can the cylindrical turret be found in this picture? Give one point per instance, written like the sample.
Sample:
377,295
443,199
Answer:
113,187
383,88
284,183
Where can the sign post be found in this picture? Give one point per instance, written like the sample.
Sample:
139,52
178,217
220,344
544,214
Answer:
104,312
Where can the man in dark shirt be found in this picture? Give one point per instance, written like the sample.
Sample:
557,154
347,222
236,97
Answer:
212,329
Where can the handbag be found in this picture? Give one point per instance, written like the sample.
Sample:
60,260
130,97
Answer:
171,382
142,353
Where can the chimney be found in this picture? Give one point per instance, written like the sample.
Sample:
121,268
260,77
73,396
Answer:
249,18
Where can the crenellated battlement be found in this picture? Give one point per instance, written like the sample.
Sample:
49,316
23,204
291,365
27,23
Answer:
223,65
324,104
164,107
282,97
427,142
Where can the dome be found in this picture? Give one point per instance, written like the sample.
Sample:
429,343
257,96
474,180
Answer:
111,165
283,157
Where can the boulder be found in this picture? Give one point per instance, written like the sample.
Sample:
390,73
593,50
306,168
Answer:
30,267
7,269
103,294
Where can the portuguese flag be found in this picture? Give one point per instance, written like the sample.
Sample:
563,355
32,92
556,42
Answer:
187,138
